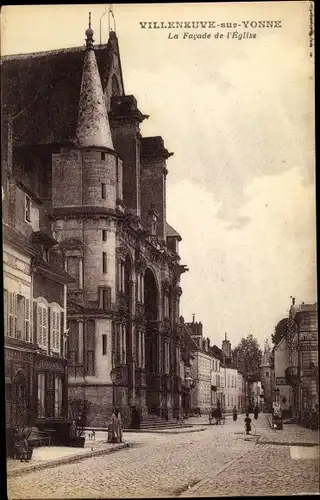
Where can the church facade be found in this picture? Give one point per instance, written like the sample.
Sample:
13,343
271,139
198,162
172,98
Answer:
104,191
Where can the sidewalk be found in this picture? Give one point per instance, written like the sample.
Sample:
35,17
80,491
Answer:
290,435
45,457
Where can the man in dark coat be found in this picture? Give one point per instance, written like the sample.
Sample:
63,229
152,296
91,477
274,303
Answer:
135,418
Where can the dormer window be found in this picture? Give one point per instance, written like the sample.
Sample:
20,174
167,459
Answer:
27,209
45,253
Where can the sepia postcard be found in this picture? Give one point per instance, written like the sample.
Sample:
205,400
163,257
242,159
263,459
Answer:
159,250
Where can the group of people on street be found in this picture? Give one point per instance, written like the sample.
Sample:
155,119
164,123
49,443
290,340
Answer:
247,420
217,415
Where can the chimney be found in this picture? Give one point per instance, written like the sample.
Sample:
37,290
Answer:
193,318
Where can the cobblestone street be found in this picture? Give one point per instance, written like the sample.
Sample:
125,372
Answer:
217,461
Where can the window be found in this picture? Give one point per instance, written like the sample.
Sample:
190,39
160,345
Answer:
104,262
41,395
121,277
105,298
49,396
104,345
104,234
80,342
57,397
140,349
12,317
42,326
55,328
166,358
166,306
121,344
103,156
74,267
80,274
103,191
27,209
267,374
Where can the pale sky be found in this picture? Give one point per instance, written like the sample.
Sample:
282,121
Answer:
239,117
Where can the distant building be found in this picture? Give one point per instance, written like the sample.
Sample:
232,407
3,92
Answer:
281,363
303,370
267,376
201,368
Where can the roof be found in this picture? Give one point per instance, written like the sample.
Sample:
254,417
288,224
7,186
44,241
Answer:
190,344
172,232
44,88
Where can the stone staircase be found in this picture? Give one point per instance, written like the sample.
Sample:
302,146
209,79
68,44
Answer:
154,422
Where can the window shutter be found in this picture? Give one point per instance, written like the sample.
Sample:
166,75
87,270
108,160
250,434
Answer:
27,320
52,329
14,315
35,322
10,314
22,319
5,311
39,326
58,331
45,326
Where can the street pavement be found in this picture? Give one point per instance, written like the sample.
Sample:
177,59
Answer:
219,461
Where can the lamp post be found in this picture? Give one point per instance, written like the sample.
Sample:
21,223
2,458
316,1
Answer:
113,376
189,384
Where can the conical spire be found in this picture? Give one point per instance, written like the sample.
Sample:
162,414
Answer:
93,127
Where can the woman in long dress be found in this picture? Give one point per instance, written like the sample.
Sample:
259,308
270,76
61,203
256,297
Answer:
113,429
235,415
120,426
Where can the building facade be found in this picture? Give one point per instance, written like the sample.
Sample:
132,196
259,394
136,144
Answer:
105,197
35,298
302,373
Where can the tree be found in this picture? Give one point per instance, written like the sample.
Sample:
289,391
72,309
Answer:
78,411
280,331
247,356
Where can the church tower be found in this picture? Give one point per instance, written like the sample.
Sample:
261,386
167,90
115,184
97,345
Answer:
266,371
86,188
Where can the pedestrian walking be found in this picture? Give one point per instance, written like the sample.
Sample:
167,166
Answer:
247,422
23,448
219,415
234,413
256,412
114,428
